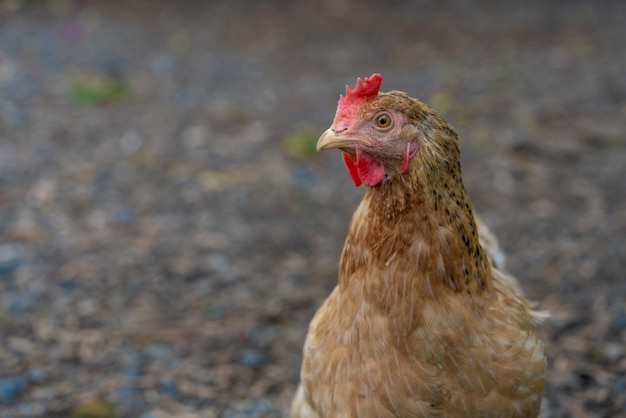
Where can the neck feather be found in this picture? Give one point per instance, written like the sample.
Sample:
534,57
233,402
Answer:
414,238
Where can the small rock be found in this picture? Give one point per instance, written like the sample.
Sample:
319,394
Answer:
10,258
613,351
251,358
195,136
10,388
169,387
620,319
302,177
162,65
36,375
124,216
130,142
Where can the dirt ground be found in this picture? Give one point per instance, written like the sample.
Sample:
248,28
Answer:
166,232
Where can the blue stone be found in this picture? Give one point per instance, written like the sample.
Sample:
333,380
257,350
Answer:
251,358
10,387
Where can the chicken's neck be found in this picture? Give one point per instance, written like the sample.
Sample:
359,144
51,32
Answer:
414,238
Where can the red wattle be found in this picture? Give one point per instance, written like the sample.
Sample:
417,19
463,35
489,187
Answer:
352,168
370,171
365,170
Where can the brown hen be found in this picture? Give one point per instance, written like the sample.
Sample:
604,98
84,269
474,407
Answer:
423,322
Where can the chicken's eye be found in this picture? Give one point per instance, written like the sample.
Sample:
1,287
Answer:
383,121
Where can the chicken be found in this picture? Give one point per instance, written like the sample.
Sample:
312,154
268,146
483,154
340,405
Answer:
423,321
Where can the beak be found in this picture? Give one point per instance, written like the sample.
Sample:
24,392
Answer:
331,139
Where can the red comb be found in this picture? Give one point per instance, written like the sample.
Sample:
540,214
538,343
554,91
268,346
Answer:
363,91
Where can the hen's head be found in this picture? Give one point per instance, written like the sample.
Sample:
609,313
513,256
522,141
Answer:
380,133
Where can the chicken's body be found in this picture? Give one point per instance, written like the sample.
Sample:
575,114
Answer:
421,323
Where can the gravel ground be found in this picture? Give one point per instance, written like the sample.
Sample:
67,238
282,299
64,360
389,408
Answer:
166,232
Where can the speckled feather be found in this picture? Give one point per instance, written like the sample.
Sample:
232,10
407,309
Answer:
423,321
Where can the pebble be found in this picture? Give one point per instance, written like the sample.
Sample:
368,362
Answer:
251,358
125,216
158,351
135,361
620,319
613,351
10,388
36,375
619,385
11,257
169,387
162,65
253,408
302,176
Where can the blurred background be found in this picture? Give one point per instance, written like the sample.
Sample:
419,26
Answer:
167,229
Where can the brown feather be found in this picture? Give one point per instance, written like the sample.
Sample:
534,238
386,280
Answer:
422,323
